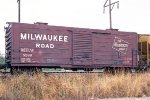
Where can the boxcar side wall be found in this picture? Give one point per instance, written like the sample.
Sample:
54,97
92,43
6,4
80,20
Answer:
40,45
102,49
55,46
125,49
115,49
82,48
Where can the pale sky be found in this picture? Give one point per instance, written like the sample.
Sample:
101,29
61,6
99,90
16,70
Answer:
132,15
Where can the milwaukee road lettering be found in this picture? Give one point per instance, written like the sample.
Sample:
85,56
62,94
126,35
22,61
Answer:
44,37
120,45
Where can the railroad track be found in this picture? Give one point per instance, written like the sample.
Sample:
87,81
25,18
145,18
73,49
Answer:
7,73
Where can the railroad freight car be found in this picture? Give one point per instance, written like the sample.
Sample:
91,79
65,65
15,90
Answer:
144,50
40,45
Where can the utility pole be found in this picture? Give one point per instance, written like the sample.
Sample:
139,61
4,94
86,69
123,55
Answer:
18,1
111,6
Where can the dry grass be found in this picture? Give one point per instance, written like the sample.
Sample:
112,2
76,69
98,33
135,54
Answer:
74,86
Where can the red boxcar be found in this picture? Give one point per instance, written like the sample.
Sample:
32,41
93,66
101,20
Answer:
55,46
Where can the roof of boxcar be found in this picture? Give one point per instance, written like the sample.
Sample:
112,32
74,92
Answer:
72,28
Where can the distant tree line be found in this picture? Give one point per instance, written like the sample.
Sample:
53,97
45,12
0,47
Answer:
2,59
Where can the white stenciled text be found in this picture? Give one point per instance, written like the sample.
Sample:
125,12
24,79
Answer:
49,40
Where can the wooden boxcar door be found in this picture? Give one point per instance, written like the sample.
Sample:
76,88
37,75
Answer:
82,48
